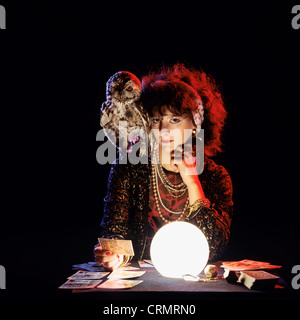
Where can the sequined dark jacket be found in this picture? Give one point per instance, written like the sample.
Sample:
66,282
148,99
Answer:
126,206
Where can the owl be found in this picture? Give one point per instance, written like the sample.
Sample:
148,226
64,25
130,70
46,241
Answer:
122,115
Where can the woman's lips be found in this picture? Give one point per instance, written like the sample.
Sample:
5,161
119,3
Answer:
166,141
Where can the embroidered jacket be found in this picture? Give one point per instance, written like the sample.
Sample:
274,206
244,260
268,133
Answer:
126,206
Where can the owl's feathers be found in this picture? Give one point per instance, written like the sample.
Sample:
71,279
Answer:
122,112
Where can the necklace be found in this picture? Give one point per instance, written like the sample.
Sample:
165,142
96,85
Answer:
157,171
158,199
173,189
175,193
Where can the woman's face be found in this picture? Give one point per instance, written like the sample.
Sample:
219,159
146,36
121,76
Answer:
171,130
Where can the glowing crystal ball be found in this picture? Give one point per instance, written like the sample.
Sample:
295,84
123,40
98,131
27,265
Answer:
179,248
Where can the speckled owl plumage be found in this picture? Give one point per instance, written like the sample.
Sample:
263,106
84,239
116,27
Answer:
123,91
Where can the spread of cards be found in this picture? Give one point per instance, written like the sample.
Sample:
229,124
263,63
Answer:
122,278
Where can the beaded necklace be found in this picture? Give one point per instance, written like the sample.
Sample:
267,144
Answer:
157,171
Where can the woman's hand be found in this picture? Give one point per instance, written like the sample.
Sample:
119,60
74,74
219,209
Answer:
188,172
186,166
110,261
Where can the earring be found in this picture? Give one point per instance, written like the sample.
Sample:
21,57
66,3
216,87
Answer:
194,134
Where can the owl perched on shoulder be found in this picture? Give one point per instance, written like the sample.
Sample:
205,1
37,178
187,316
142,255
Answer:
122,115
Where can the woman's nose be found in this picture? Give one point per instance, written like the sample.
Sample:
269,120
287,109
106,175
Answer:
164,126
164,132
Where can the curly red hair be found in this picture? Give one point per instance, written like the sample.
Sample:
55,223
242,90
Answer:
166,88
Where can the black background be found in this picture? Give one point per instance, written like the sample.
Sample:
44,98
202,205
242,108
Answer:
55,60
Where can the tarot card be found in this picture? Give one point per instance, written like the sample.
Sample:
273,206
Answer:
247,265
128,268
119,284
80,284
144,264
123,274
117,246
88,266
80,275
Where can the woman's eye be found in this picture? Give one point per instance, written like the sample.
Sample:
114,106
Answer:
155,120
174,120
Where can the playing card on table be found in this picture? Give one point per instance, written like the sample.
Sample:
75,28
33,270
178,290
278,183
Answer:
129,268
88,266
124,274
247,265
119,284
144,264
88,275
80,284
117,246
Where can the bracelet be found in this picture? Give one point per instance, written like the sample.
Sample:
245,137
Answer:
199,204
125,260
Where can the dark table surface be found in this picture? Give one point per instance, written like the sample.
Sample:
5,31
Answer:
155,285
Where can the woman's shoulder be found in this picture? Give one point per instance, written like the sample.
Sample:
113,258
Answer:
211,167
216,174
122,166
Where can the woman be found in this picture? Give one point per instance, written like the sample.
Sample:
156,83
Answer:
141,198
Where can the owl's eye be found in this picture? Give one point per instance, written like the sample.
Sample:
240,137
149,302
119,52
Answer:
129,88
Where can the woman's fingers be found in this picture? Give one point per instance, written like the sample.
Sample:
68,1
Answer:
116,266
102,253
99,252
113,264
110,261
103,256
107,257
